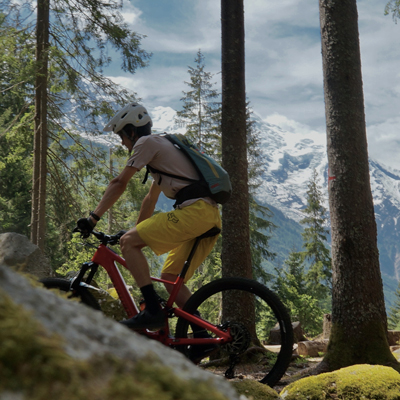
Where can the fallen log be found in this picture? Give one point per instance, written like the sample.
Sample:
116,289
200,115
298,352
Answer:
275,334
393,337
312,348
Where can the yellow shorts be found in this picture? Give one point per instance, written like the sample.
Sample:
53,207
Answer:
175,232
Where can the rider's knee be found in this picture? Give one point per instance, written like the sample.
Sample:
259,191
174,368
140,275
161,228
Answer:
131,239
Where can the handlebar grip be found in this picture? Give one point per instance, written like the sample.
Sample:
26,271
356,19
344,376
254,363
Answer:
84,235
114,239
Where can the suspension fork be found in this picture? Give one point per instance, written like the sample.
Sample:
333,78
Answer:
78,279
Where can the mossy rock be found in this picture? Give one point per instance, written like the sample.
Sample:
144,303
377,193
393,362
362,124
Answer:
35,366
255,390
352,383
110,306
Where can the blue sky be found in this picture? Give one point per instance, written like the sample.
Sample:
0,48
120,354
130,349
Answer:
283,62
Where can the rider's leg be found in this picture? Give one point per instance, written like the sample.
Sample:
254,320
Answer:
168,232
131,247
177,257
152,316
184,293
173,266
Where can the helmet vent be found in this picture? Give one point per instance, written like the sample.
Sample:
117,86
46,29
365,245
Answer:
133,113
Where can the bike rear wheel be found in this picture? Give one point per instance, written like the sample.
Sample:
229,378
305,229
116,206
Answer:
245,355
64,285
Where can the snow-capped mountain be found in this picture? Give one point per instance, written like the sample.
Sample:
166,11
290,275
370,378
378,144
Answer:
290,158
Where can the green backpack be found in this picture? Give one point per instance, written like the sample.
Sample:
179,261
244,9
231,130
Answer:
214,181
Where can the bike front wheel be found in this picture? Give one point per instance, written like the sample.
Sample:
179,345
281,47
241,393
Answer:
64,285
250,355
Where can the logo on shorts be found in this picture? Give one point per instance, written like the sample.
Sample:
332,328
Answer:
172,218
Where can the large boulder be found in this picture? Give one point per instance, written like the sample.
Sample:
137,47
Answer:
81,336
18,252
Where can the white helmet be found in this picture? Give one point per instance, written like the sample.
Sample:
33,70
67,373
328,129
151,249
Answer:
133,113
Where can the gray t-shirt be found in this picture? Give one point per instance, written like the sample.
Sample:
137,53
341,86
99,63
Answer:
161,154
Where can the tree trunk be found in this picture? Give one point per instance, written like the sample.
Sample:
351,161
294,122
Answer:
358,311
327,326
235,255
110,213
38,217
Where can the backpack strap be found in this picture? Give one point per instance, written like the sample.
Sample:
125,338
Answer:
157,171
146,176
197,188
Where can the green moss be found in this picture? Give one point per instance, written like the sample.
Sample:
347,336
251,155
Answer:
110,306
352,383
34,363
28,355
145,381
255,390
345,350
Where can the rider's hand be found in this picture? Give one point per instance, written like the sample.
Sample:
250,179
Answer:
85,226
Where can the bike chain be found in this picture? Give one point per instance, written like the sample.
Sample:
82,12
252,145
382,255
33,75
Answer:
230,372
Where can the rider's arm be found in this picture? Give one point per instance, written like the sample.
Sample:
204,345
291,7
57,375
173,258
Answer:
149,203
114,190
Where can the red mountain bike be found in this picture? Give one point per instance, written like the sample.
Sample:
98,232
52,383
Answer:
234,337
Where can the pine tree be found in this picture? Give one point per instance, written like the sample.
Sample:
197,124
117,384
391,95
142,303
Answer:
16,71
259,215
201,110
304,284
208,123
393,7
314,235
65,62
359,322
74,76
292,288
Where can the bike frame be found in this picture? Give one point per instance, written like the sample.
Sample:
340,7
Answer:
107,258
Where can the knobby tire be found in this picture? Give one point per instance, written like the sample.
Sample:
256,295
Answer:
64,285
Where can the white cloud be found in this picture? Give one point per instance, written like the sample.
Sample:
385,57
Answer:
384,142
283,61
295,127
131,15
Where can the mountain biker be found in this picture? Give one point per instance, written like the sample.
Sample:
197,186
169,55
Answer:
173,231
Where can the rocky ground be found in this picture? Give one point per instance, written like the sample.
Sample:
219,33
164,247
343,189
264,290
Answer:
299,366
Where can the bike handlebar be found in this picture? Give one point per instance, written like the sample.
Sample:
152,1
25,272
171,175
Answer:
105,239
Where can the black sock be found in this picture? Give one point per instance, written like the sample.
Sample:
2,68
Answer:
151,298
